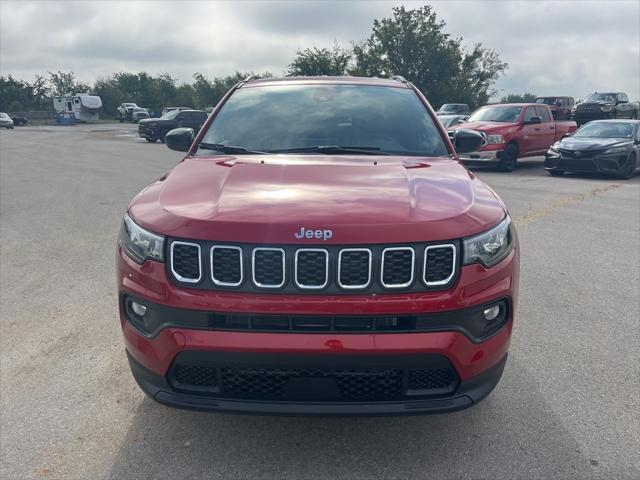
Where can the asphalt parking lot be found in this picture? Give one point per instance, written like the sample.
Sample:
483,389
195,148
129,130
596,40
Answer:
568,405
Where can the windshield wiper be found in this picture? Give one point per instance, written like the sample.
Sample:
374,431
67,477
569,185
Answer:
333,149
219,147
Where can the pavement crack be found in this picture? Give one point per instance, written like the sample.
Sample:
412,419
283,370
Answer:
549,208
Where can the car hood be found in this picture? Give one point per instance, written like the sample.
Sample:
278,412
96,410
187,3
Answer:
577,143
241,199
486,127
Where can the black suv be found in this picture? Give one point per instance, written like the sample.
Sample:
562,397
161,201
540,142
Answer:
153,129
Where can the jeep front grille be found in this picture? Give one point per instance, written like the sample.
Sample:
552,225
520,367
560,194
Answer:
331,269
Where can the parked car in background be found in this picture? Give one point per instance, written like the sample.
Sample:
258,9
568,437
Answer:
453,109
335,263
604,146
19,121
599,106
5,121
451,120
130,112
513,131
560,106
166,110
153,129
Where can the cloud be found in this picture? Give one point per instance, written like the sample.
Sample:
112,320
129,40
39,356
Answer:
552,47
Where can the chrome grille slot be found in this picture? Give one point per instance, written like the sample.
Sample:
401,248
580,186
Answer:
186,265
268,267
397,267
354,268
311,268
439,264
226,265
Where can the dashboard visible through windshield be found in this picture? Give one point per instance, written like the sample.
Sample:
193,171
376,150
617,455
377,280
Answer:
336,119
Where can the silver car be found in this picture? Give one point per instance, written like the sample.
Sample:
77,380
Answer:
5,121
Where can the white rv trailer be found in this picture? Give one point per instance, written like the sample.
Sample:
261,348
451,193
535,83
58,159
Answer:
85,107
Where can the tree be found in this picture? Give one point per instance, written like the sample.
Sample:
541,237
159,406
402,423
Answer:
517,98
63,83
320,61
413,43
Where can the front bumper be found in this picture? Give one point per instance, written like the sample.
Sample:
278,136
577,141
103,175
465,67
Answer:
145,131
476,366
607,164
468,393
481,157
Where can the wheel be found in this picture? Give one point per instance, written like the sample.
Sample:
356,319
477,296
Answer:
629,168
150,139
162,137
556,173
508,158
634,115
121,119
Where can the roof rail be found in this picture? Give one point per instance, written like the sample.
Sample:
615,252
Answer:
399,78
251,77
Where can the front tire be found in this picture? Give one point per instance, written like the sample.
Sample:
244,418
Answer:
150,139
508,158
629,168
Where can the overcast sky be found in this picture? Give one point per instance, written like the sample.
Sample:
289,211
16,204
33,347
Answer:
561,47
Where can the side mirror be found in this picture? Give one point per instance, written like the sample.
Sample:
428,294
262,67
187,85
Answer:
533,121
179,139
466,141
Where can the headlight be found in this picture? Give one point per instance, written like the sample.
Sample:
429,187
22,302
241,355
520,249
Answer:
615,150
554,148
494,139
607,109
574,108
140,244
490,247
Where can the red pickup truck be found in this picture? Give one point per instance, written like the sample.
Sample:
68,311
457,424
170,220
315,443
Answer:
513,131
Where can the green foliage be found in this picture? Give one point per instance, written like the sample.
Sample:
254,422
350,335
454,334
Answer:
413,43
320,61
517,98
63,83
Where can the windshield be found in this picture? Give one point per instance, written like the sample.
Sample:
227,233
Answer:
281,117
601,97
170,114
496,114
4,115
547,100
449,107
605,130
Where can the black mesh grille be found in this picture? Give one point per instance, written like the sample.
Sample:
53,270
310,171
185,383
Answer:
430,379
354,268
577,165
439,264
196,376
227,265
398,267
313,384
186,261
312,268
268,267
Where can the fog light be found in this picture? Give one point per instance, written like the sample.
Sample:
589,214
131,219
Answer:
491,313
140,309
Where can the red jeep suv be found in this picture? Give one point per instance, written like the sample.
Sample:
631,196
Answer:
319,250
